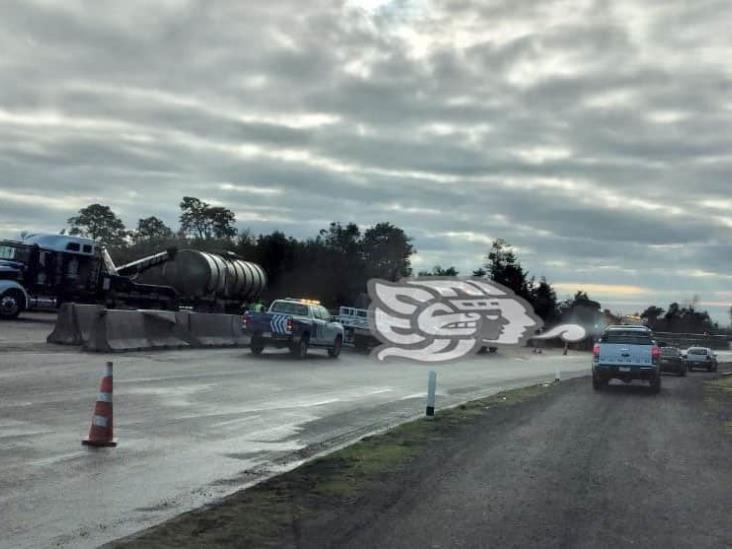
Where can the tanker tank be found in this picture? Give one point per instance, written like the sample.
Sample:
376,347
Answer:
196,274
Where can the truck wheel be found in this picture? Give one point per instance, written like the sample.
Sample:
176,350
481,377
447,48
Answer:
656,384
597,383
300,349
256,346
335,350
11,303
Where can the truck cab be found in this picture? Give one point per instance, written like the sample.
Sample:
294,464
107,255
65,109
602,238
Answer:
297,324
43,270
626,353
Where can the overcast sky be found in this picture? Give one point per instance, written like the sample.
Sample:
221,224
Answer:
595,136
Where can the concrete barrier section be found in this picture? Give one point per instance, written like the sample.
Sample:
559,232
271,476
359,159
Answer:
212,329
65,332
86,317
118,330
161,330
74,323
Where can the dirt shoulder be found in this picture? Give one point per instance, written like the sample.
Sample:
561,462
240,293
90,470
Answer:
545,466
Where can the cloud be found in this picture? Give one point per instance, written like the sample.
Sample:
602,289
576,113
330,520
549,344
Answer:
593,136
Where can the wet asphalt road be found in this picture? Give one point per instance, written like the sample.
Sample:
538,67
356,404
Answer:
194,425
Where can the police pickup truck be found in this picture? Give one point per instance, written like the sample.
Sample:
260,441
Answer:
626,353
296,324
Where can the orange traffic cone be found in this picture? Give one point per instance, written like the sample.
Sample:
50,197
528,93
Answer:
101,431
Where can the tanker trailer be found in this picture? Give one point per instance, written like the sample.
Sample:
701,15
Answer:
214,282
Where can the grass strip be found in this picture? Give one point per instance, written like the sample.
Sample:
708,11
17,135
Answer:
718,395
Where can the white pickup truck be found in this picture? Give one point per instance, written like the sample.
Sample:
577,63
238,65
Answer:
626,353
356,325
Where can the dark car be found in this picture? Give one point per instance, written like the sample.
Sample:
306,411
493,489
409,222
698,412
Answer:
672,360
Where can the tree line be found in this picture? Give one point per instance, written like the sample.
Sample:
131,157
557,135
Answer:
335,264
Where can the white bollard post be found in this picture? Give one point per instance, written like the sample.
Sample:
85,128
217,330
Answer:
431,389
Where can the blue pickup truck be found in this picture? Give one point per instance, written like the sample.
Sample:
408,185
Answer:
296,324
626,353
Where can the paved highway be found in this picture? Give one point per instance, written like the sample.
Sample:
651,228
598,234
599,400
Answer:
194,425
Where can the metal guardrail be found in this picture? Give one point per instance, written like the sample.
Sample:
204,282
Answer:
716,341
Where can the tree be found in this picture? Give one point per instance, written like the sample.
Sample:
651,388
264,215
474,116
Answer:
544,300
152,229
336,261
222,222
203,221
652,315
342,239
100,223
437,270
686,319
503,267
386,251
584,311
480,272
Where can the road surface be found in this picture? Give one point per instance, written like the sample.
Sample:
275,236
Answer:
194,425
616,468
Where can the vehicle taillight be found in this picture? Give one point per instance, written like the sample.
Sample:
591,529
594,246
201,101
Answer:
596,350
656,352
290,325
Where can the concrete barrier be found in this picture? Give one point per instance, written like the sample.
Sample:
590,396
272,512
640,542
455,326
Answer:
118,330
66,331
162,331
212,329
74,323
86,317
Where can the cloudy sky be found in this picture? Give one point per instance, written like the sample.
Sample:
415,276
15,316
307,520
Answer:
595,136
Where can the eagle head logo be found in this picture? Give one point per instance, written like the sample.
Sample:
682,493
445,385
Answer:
436,319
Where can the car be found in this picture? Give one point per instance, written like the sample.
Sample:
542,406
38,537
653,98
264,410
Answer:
672,360
626,353
297,324
701,357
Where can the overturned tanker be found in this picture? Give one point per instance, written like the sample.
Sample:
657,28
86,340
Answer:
214,281
42,271
209,282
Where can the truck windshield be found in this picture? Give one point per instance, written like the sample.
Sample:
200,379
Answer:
290,308
11,252
628,337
